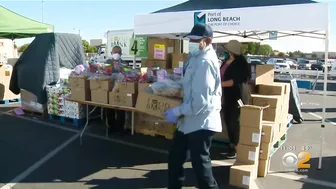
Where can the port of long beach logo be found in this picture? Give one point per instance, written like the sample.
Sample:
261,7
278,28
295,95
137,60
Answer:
216,19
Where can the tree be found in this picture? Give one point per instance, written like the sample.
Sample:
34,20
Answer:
281,54
244,49
272,54
88,48
314,55
23,47
265,50
251,48
290,54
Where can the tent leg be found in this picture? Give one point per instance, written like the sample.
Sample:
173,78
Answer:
324,98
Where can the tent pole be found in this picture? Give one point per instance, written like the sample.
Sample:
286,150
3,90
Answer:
324,90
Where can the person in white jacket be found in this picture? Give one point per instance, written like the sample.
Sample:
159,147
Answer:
198,117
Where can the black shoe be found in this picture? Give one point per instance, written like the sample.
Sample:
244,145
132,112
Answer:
231,155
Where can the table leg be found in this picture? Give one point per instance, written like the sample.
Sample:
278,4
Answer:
107,125
86,124
132,130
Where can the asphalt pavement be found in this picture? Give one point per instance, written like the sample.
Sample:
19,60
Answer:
39,154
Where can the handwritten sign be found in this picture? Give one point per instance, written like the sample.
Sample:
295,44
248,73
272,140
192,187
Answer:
159,51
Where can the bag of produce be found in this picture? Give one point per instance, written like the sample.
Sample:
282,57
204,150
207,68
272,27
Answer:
167,88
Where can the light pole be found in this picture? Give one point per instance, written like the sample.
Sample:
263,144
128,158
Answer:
42,11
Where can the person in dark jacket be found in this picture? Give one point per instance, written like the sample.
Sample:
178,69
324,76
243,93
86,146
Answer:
234,72
116,118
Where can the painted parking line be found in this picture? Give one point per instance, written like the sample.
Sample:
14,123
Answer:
320,117
39,163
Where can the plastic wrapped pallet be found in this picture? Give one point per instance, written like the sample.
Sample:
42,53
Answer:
56,99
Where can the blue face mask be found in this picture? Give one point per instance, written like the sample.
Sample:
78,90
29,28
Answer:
193,47
226,55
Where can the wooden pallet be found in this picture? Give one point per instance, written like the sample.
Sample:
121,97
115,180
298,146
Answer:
10,101
65,120
32,113
153,133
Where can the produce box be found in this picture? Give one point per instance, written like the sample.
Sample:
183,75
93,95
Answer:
155,105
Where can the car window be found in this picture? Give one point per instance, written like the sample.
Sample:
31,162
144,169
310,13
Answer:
280,61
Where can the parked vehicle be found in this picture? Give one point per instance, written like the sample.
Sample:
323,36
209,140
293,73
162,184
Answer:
278,63
317,66
292,63
304,64
254,61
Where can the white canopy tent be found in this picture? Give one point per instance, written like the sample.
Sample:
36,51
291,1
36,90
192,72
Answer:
257,22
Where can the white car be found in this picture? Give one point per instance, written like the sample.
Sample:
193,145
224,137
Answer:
278,63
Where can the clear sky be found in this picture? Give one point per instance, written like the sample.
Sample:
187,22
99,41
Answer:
93,18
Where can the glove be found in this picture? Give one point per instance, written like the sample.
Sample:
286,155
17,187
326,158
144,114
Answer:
170,116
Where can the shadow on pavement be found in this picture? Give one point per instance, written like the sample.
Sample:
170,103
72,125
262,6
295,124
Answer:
99,164
327,173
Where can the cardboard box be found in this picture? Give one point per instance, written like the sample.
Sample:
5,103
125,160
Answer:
159,48
128,87
247,154
142,86
164,127
249,136
251,116
265,150
103,85
29,102
100,96
272,113
177,59
145,121
271,89
5,77
82,94
75,82
264,74
243,176
122,99
155,105
263,167
153,63
267,132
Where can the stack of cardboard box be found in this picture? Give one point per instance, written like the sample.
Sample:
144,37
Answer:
262,125
80,88
244,171
276,95
125,95
5,76
100,89
164,53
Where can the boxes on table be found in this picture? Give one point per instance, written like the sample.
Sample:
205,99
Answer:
155,105
177,59
124,94
56,99
100,89
159,48
80,88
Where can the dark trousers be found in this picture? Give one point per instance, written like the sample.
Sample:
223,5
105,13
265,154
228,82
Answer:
116,119
198,144
231,114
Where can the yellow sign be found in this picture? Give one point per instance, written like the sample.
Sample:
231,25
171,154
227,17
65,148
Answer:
158,46
301,161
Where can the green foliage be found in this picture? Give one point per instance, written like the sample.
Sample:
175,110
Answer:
88,48
256,49
23,47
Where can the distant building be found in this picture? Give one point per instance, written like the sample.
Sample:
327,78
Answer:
320,54
7,50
